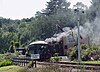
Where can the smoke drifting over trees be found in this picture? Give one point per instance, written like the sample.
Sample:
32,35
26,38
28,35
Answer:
92,27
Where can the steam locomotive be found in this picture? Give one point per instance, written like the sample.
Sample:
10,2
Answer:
57,44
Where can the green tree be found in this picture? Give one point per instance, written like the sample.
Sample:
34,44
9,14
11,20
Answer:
56,7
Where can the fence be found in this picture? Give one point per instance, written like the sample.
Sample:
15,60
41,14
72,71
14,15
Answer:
24,61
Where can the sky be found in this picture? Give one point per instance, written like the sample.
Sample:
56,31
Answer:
18,9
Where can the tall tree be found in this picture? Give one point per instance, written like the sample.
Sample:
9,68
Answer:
56,7
94,10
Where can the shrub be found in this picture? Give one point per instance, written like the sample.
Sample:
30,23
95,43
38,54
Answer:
86,52
30,64
55,58
95,55
6,63
85,55
8,56
1,57
56,54
72,53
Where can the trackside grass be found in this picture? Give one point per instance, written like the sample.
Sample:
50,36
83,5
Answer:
90,62
10,68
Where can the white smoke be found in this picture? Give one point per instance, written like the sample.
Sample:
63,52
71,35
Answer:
93,31
59,36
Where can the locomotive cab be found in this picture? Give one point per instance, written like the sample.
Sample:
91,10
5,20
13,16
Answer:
41,48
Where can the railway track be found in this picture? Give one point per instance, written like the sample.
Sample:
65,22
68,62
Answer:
72,65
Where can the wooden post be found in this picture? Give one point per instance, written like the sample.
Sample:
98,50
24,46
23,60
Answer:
32,63
35,63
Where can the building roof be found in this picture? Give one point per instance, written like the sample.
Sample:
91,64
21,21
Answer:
38,42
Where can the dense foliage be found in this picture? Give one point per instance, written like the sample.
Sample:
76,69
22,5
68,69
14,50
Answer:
87,53
6,63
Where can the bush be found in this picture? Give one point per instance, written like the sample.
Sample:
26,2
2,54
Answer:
56,54
6,63
1,57
8,56
55,58
30,64
95,55
85,55
86,52
72,53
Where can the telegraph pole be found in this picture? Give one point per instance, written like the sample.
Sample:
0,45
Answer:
77,10
79,48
